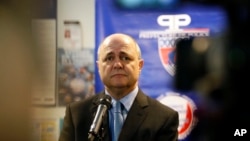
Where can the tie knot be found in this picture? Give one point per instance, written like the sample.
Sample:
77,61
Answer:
117,106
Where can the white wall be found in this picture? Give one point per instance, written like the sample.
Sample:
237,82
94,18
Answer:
83,11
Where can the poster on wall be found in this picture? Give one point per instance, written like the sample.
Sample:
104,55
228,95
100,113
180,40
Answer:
72,34
156,32
75,70
44,33
45,129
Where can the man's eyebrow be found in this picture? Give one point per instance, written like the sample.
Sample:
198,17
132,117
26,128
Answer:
123,53
109,53
120,53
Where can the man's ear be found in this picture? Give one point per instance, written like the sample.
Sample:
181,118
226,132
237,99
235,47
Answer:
141,64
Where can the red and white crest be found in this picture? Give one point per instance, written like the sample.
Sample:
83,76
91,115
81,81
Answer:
167,54
185,106
167,45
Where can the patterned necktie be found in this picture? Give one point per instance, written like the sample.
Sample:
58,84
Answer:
118,119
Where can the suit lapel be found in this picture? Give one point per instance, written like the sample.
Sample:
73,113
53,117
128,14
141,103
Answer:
135,117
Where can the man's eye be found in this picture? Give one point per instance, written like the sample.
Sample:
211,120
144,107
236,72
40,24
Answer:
109,58
125,58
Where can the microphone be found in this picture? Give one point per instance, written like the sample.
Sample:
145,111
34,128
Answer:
104,105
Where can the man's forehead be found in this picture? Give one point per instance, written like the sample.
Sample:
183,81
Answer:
118,45
115,41
116,49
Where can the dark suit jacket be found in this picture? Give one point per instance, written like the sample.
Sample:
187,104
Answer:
147,120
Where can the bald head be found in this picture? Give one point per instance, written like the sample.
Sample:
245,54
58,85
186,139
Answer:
117,40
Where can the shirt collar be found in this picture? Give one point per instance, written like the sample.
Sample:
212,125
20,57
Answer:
128,100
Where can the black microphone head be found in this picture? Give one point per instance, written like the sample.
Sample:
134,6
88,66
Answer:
106,100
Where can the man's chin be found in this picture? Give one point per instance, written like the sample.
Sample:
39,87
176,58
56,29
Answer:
120,86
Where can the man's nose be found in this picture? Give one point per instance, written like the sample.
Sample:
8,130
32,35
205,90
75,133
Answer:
117,64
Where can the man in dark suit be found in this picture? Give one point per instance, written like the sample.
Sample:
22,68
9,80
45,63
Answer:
145,119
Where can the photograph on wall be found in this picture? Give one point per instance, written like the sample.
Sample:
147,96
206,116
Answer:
75,75
45,130
72,34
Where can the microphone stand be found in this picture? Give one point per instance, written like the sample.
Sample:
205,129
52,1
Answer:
94,131
99,135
